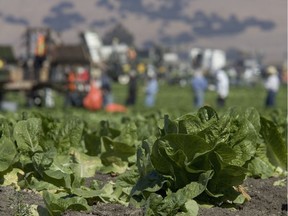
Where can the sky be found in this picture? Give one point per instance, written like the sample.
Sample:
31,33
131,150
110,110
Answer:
254,26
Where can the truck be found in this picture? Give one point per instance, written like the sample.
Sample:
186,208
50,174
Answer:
208,60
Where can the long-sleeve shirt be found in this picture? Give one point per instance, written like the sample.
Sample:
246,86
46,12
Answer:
272,83
222,83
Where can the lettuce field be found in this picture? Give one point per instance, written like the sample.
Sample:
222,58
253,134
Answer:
163,161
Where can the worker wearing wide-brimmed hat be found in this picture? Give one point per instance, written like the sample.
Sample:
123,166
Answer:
272,84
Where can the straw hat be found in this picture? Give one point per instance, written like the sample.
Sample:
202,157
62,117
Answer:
271,70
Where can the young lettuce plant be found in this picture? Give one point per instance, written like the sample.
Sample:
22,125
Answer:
205,154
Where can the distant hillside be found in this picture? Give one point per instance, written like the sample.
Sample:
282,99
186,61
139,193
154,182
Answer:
253,26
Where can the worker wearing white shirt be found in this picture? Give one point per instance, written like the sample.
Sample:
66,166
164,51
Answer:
222,87
271,84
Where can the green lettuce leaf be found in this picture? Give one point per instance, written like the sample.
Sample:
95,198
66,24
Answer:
58,203
84,166
28,134
8,153
275,144
180,200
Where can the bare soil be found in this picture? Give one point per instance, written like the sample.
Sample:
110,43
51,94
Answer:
266,200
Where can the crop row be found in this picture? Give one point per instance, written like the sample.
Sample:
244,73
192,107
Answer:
164,166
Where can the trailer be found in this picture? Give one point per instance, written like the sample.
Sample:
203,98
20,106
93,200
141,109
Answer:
43,68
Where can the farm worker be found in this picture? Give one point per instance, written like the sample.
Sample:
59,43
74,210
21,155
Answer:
222,87
141,68
132,89
72,81
199,85
271,85
83,75
72,97
106,89
151,88
40,48
39,55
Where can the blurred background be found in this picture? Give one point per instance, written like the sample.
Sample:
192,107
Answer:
52,53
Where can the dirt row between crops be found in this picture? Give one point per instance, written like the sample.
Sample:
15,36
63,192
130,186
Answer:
266,200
